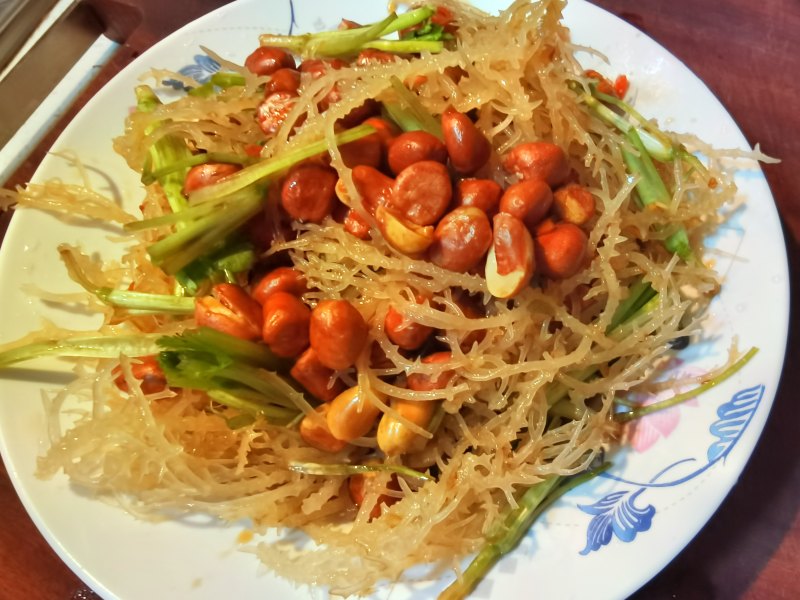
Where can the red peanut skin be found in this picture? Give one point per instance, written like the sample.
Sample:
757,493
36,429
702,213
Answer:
286,324
207,174
467,147
421,193
529,200
283,80
280,279
374,187
481,193
574,203
364,151
420,382
308,192
147,370
272,112
462,238
560,250
315,377
407,334
356,225
337,333
265,60
415,146
538,160
231,310
511,248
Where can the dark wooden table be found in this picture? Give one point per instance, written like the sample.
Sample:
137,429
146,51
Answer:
747,54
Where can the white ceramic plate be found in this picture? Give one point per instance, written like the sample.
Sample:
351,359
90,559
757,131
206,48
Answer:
604,540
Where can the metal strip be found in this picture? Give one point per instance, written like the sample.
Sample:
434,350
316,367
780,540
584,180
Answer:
18,20
37,73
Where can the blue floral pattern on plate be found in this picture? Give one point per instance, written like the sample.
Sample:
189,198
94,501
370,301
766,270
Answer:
618,515
204,66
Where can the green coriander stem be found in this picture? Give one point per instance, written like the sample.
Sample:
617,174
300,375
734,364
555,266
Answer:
345,470
193,160
533,503
242,351
91,347
190,214
651,191
265,168
641,411
146,99
142,302
274,414
206,234
406,46
408,19
515,526
413,104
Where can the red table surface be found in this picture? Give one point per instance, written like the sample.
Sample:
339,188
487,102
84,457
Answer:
746,52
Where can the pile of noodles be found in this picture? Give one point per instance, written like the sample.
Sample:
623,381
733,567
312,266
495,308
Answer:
516,412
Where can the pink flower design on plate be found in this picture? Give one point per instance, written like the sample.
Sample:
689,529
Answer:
645,432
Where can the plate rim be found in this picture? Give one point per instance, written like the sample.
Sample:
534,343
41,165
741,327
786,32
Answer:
136,67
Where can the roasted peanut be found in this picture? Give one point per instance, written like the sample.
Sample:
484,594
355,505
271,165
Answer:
373,186
147,370
415,146
308,192
467,147
461,239
394,436
274,109
317,379
200,176
537,160
317,67
406,333
356,225
471,310
573,203
378,358
364,151
510,263
403,235
338,333
455,73
386,131
421,193
280,279
370,56
546,226
425,382
352,414
528,200
560,250
416,82
316,434
265,60
480,193
286,323
360,113
358,486
230,310
283,80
